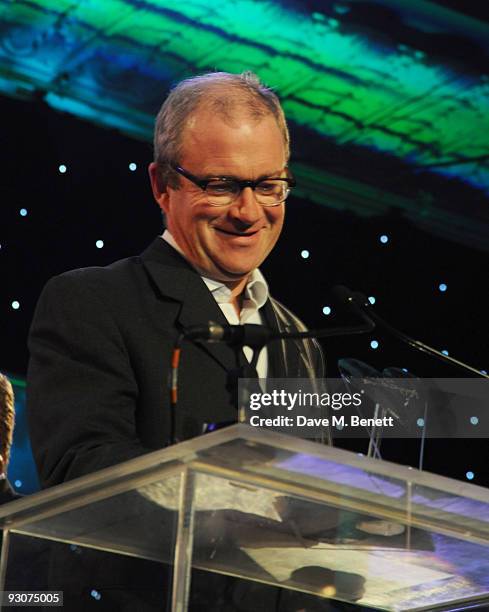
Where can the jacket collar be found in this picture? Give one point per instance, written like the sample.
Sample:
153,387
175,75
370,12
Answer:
174,278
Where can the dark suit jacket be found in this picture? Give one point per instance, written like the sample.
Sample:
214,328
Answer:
100,345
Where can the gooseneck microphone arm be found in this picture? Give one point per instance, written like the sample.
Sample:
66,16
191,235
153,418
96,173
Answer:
358,303
257,336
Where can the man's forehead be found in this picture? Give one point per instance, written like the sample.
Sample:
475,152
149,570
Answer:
240,119
248,148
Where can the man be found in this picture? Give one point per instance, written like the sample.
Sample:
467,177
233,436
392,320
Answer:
101,338
7,413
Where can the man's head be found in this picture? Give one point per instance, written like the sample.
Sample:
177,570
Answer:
221,125
6,421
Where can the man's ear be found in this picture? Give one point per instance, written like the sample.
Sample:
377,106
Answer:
160,191
1,465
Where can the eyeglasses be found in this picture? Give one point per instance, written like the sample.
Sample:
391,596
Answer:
222,191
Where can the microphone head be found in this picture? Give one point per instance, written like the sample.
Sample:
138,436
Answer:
342,295
348,299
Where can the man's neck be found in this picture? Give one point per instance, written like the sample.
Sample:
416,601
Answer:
237,293
237,287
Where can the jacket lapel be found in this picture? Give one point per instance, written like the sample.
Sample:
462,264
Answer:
175,279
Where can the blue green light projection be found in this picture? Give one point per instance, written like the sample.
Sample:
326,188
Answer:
113,61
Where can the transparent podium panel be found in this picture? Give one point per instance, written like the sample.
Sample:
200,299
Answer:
243,519
107,553
378,553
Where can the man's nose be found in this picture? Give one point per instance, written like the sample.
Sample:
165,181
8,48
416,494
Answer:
245,208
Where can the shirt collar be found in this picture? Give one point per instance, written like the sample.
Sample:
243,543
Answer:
256,291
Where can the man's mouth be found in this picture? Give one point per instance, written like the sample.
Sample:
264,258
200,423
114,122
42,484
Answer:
233,233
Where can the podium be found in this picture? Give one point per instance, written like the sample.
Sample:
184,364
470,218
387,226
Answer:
269,509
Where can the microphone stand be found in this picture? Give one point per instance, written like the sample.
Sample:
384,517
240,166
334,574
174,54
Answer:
420,346
358,303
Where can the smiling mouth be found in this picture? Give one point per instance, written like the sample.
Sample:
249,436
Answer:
238,234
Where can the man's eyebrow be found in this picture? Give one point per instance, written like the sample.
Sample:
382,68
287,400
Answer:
214,175
274,174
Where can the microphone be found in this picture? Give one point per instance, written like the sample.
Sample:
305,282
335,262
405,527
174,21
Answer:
352,301
249,334
357,302
257,336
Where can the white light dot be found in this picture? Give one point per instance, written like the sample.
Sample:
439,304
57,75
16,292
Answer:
62,168
23,212
18,483
404,370
420,422
326,310
305,254
442,287
384,239
374,344
371,299
483,371
474,420
470,475
99,244
445,352
132,166
15,305
95,594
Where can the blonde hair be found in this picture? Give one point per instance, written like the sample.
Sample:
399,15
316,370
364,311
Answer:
7,417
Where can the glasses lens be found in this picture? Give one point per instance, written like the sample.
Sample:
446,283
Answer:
221,193
271,193
267,193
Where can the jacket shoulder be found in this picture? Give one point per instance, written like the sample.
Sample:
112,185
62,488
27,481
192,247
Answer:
107,273
95,278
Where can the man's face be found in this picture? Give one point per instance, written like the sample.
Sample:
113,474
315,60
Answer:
225,243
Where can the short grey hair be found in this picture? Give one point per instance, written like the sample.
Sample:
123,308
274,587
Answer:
223,93
6,418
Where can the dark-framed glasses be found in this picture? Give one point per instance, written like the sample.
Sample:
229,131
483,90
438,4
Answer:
222,191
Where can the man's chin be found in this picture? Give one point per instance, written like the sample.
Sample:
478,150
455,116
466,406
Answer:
223,274
232,274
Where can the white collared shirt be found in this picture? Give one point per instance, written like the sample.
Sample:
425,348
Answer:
255,296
